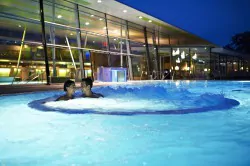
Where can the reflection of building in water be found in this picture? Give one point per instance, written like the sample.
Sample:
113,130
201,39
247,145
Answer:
82,36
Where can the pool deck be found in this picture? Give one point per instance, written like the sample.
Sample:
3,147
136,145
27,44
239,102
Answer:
24,88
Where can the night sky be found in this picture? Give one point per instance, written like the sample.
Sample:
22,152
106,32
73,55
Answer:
214,20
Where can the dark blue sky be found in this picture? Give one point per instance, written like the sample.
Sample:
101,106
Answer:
214,20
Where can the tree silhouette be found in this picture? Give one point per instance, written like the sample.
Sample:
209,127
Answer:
240,42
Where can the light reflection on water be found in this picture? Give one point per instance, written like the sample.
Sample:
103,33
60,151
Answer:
32,137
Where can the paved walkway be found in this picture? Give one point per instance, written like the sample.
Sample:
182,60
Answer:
23,88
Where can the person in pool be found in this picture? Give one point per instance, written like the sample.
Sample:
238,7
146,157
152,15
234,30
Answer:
69,88
86,85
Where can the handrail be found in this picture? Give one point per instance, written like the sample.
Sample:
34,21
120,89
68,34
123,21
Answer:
155,74
164,76
30,76
35,77
73,61
19,56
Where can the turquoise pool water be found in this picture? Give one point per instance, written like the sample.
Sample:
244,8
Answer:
220,136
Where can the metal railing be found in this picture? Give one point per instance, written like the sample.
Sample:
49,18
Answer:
160,75
35,75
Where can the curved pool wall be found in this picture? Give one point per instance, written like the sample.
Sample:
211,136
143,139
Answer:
166,100
32,137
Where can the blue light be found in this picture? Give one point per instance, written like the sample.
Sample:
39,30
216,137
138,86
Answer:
87,55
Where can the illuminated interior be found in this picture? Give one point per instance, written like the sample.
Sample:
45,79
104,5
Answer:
117,38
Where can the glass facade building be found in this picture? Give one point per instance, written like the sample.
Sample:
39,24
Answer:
53,40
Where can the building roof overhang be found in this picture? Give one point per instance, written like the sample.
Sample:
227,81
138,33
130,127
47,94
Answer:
115,8
224,51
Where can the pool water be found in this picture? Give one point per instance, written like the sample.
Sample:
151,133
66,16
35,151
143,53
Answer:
219,136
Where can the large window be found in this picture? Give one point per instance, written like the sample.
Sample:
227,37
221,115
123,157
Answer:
136,33
200,62
99,39
92,21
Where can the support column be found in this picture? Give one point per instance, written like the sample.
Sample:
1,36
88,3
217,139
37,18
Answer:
53,49
108,44
233,63
210,61
44,42
238,62
121,57
219,66
226,66
171,58
52,38
160,58
85,40
156,55
244,65
169,43
149,69
91,65
79,44
190,59
190,63
241,64
194,65
130,71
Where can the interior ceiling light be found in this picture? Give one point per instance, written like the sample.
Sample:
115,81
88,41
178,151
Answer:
140,17
178,60
99,1
124,11
19,26
71,34
86,23
149,20
177,52
195,56
183,55
59,16
100,19
92,15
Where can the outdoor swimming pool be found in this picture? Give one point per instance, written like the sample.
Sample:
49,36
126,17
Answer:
135,124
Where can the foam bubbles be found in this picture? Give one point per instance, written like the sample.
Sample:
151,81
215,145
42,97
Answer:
140,99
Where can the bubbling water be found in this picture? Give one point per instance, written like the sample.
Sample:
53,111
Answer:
139,99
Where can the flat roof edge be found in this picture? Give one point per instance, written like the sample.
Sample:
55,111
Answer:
224,51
